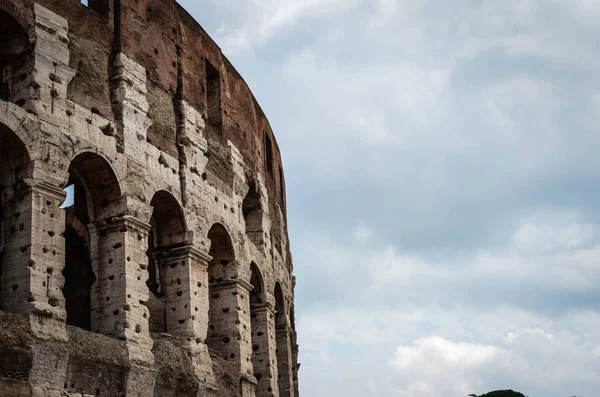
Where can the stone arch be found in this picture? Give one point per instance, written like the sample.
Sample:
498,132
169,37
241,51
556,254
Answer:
167,232
95,175
16,56
11,9
14,158
222,266
96,197
15,165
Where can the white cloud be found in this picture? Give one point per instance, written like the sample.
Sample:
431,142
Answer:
439,353
513,336
362,233
562,233
265,18
529,356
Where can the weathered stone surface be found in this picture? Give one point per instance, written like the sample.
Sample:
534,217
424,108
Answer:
167,271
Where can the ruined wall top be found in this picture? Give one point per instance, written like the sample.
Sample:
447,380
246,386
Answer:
163,38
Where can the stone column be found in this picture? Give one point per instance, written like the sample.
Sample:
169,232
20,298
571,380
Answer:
34,253
264,350
118,251
185,274
284,360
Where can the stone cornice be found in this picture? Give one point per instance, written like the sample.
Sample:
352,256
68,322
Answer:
125,220
262,307
233,282
183,252
37,186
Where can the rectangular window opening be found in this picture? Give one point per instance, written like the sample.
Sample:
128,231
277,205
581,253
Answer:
102,7
281,188
268,154
213,95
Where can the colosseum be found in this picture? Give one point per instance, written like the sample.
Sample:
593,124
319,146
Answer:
143,230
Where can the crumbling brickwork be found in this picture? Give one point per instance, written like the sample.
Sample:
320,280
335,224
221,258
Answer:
166,270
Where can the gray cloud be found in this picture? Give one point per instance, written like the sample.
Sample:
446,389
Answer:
442,178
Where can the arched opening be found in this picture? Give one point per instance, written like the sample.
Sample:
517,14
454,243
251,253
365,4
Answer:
78,273
221,269
94,195
276,230
14,166
283,343
221,251
167,231
16,60
258,291
253,215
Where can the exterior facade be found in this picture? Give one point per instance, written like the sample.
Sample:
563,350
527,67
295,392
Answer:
143,234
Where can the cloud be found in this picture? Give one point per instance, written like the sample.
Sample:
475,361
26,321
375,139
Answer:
362,233
442,177
556,233
521,316
264,19
437,352
529,356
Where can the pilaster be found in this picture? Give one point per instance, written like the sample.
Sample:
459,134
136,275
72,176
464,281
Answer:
284,361
264,350
131,104
229,324
185,274
120,263
51,72
34,255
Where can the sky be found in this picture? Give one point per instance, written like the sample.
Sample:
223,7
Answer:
443,181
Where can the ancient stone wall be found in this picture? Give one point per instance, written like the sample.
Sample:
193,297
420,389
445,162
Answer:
164,267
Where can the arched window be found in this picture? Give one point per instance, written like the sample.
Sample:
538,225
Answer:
16,60
14,166
258,290
95,195
167,231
